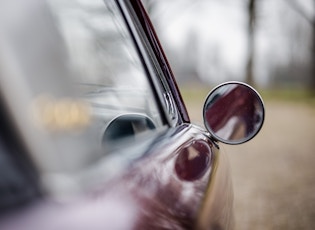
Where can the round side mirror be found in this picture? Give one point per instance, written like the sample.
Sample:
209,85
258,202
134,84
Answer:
233,113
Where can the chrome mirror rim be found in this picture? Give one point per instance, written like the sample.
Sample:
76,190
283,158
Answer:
241,140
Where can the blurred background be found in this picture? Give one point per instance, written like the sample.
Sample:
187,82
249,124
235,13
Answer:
269,44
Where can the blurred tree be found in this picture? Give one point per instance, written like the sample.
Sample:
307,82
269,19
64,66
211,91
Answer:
310,19
251,12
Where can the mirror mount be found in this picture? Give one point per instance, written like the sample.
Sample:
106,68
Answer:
233,113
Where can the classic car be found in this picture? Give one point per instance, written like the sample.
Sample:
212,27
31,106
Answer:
94,131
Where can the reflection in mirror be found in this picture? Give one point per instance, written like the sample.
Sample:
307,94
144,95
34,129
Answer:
233,113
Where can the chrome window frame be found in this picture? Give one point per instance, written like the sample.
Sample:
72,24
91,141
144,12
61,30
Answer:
157,78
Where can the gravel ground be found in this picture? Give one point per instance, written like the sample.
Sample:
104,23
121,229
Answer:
274,174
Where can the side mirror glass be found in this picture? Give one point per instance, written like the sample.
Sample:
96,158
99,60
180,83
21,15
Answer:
233,113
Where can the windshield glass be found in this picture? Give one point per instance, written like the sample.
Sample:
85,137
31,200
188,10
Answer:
84,91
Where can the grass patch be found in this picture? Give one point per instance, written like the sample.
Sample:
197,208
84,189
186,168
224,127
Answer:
198,94
288,95
194,94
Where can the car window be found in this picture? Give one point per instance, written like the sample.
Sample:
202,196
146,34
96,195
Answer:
104,63
82,88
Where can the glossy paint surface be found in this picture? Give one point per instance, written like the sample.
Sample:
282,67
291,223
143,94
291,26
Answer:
193,161
149,194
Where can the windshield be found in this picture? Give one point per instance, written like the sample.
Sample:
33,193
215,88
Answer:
83,91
